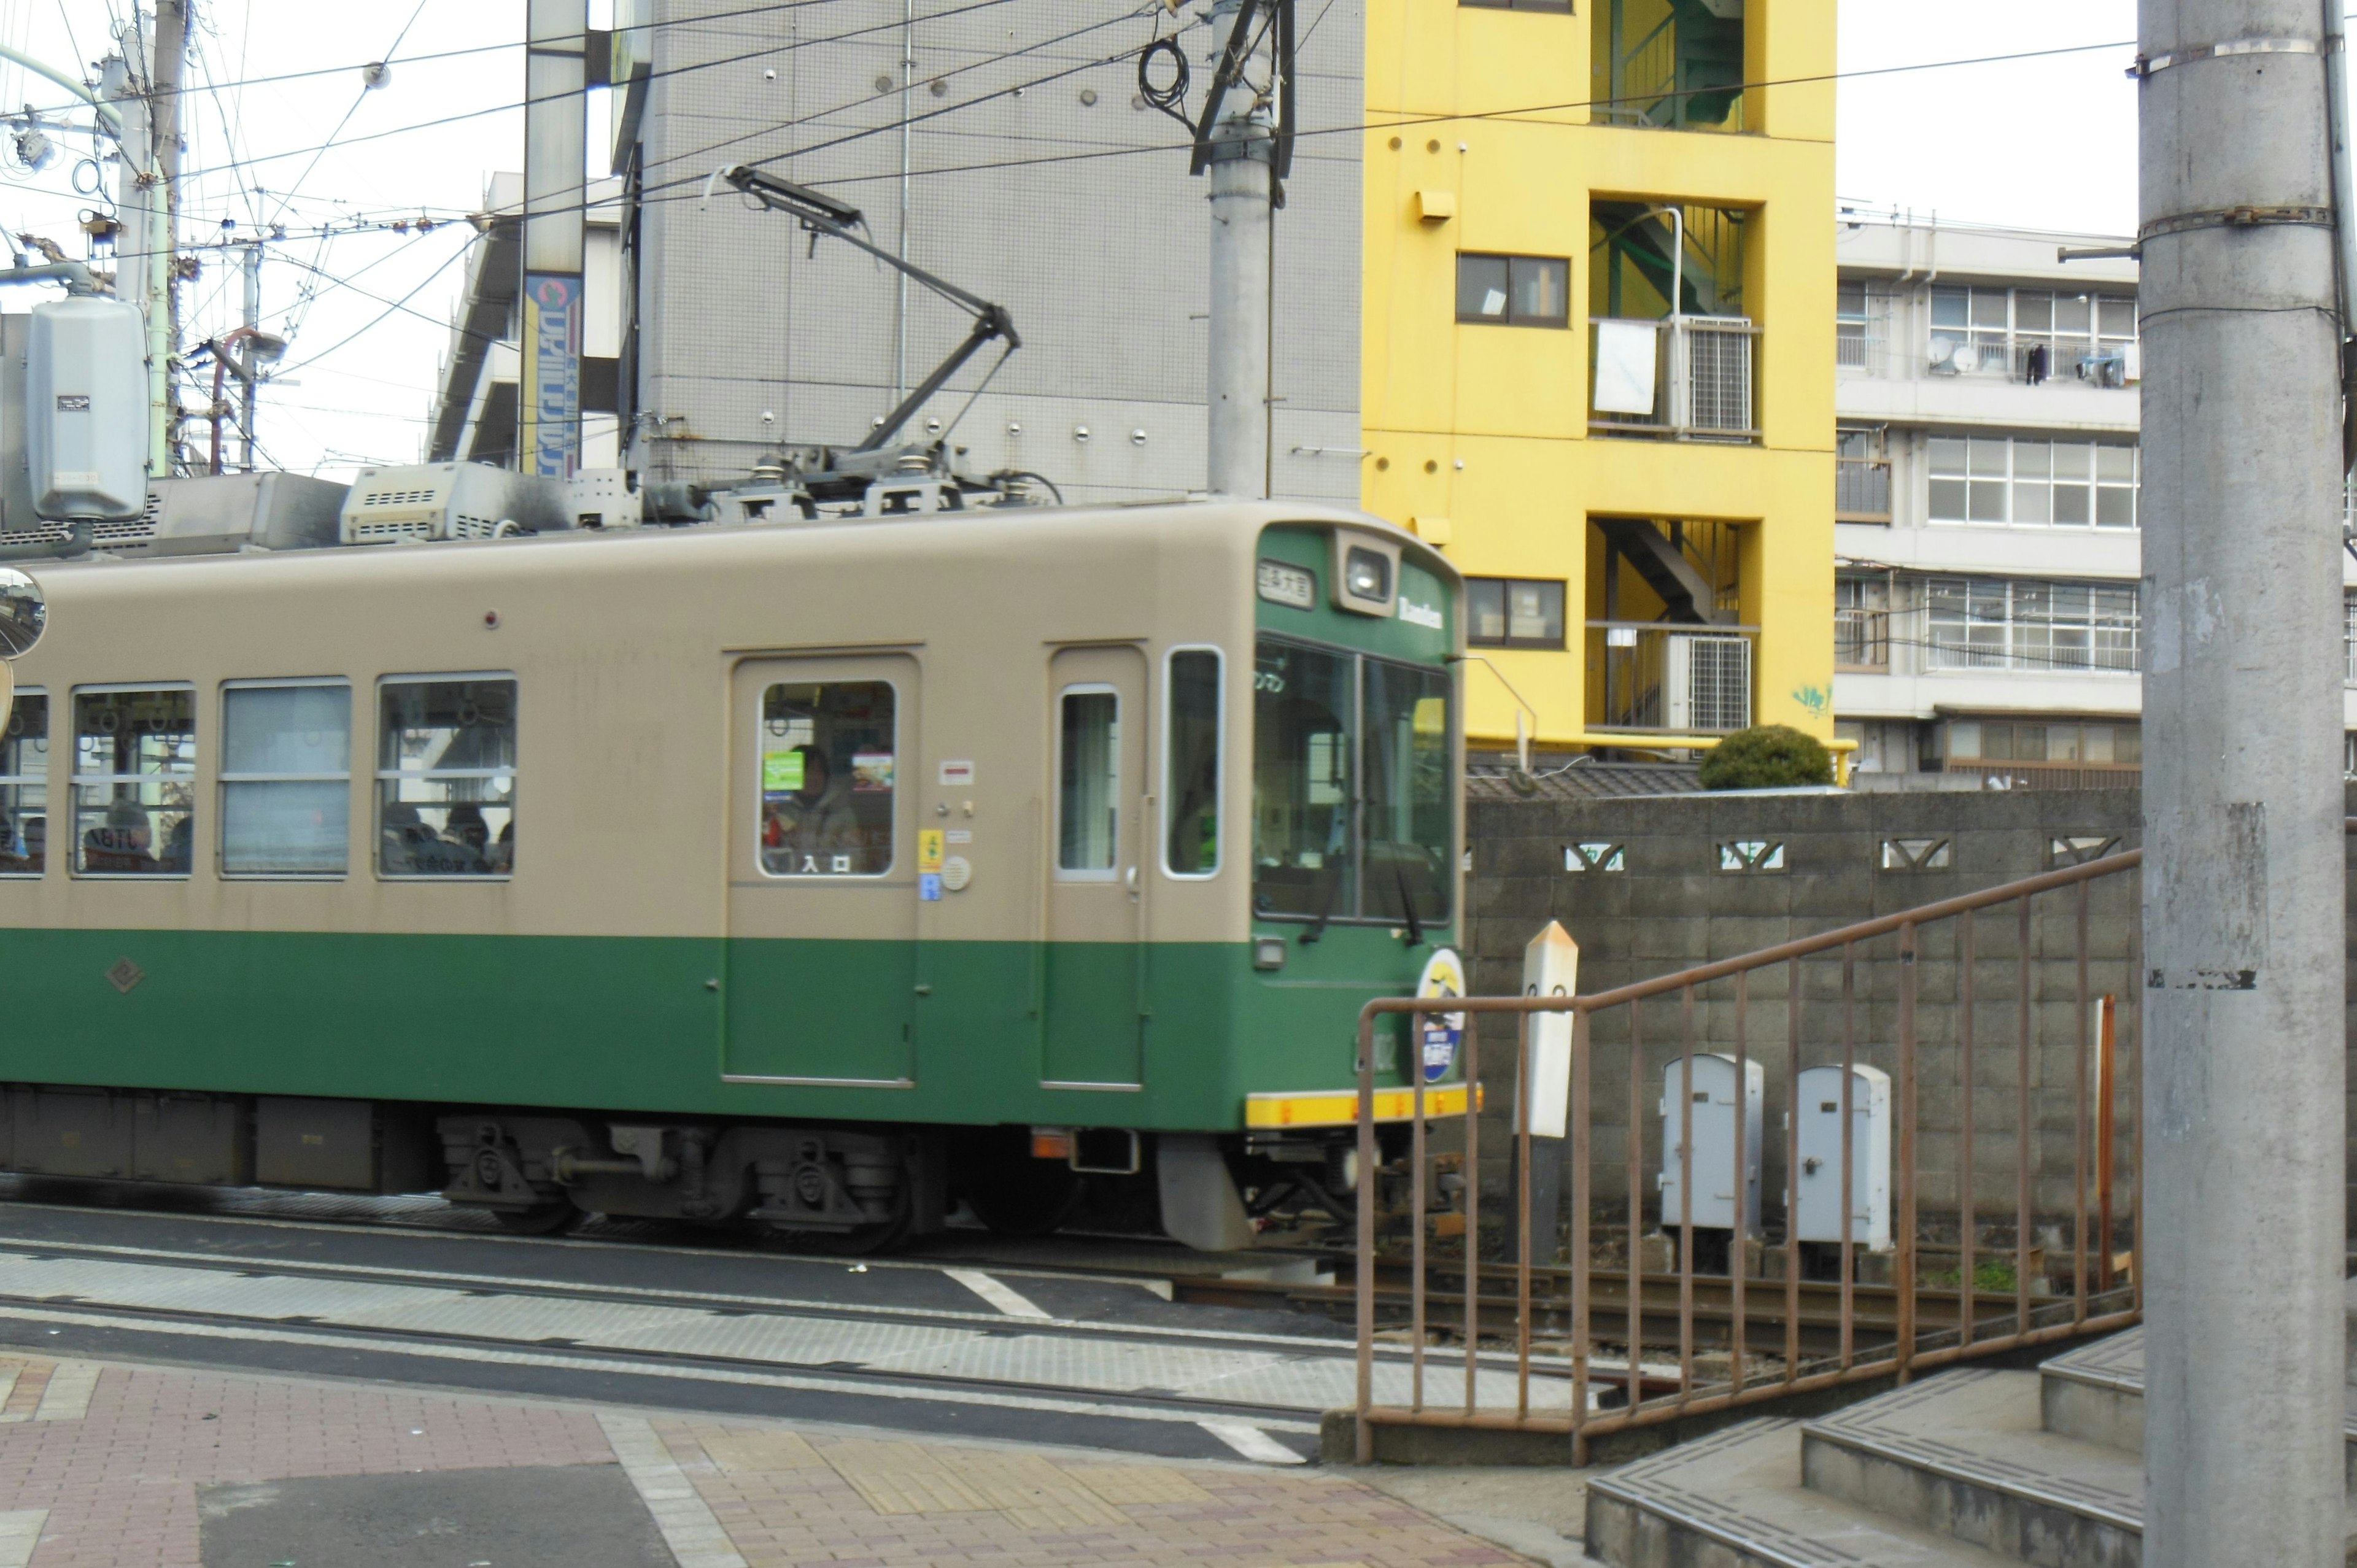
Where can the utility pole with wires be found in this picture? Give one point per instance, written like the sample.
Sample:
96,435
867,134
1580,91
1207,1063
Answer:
164,80
2245,1067
1245,139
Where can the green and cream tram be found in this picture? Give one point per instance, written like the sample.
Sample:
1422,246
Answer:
814,875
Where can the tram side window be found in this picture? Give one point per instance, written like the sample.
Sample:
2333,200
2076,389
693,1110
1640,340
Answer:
287,760
1192,752
828,753
1088,787
446,777
135,781
1407,816
25,786
1303,724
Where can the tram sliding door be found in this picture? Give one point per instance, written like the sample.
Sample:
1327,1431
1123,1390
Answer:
1096,875
820,977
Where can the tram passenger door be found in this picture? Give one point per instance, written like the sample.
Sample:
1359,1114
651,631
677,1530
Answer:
1097,876
820,968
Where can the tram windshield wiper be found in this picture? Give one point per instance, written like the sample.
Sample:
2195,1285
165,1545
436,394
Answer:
1407,903
1333,884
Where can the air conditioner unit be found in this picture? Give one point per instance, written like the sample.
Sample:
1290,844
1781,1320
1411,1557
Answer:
1709,683
1710,374
430,502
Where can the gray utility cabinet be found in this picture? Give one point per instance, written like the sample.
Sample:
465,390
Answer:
1712,1126
1820,1107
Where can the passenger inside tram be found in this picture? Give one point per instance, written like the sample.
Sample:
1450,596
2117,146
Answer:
811,828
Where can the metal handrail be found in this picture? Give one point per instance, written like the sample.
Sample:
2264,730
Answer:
1913,1348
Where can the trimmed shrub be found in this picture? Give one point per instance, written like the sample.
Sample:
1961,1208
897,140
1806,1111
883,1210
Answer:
1766,756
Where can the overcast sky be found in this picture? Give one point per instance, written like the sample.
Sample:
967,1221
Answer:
2048,143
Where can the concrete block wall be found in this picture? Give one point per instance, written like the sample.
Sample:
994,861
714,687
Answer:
1672,906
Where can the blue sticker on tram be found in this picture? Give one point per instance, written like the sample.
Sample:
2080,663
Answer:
928,887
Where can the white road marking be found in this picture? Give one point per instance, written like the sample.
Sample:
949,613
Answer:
1012,1302
67,1397
250,1333
20,1531
688,1527
1251,1441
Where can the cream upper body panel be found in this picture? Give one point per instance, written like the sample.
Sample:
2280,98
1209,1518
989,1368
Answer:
624,648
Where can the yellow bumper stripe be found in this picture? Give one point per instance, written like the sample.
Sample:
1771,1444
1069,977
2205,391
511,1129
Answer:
1340,1108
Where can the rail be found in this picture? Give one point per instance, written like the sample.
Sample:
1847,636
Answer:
1638,1366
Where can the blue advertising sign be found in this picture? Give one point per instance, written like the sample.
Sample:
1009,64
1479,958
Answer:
551,401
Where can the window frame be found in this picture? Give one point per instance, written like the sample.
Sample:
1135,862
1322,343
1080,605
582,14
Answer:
224,778
827,879
1111,870
1563,616
1355,832
19,780
76,781
1512,317
1169,805
378,774
1542,7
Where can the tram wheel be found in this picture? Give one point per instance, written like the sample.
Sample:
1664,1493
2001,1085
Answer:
539,1219
1026,1198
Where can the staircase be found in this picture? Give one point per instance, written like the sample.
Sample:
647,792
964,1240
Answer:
1979,1468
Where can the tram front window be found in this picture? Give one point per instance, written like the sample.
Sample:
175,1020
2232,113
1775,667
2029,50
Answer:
1352,799
1404,825
1303,739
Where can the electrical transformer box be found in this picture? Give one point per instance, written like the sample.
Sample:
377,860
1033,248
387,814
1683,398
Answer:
1713,1123
1819,1111
86,409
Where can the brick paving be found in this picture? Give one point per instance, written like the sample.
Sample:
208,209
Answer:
101,1466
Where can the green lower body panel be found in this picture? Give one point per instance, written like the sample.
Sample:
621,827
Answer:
973,1032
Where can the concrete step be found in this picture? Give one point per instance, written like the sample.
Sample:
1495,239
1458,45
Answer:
2095,1394
1735,1500
1964,1455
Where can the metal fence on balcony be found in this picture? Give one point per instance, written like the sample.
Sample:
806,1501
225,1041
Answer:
1861,489
1676,679
1861,640
1688,378
1925,1124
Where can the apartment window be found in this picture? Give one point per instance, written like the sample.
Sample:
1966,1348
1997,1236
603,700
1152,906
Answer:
1991,623
1512,612
1969,327
828,773
1854,307
446,777
286,759
2043,740
2039,484
135,774
1513,291
1191,754
2348,635
25,786
1861,623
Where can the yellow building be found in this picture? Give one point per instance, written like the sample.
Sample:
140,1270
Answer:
1643,496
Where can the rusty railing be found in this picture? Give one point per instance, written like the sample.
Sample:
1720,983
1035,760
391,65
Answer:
1537,1354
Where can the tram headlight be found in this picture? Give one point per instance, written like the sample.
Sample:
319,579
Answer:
1366,574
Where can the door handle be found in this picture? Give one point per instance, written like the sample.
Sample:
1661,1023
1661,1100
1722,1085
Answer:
1130,878
924,991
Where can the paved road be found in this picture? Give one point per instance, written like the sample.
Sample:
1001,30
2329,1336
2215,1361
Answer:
921,1346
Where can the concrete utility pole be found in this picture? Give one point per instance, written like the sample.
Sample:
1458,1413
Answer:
555,192
251,372
2245,1124
1243,153
164,122
139,253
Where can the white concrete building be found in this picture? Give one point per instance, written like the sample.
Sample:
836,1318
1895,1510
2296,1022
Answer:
473,417
1986,614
